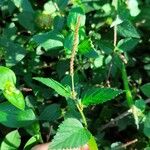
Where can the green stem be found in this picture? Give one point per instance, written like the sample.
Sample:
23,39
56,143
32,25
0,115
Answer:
126,86
73,54
82,114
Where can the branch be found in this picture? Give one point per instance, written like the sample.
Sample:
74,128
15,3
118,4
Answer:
129,143
113,121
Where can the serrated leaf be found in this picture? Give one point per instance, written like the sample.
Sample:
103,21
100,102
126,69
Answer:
71,134
86,48
11,141
73,16
146,89
11,116
49,40
59,88
6,75
99,95
126,29
92,144
127,44
50,113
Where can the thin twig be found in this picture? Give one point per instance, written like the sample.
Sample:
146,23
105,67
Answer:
113,121
26,89
115,35
129,143
121,116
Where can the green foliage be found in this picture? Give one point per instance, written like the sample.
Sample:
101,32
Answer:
147,125
59,88
8,81
11,141
110,41
86,48
11,116
126,29
126,45
73,15
92,144
145,89
71,134
14,96
50,113
32,141
14,52
99,95
7,76
49,40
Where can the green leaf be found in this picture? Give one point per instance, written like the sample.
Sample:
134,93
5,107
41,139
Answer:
49,7
6,75
50,113
31,142
98,62
14,96
68,43
71,134
27,20
126,29
146,89
11,116
59,88
10,31
140,104
99,95
116,22
147,125
127,44
133,7
92,144
73,16
34,128
106,46
86,48
14,51
122,10
59,23
23,5
62,3
49,40
11,141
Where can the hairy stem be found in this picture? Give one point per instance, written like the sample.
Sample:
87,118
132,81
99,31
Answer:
73,54
82,115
